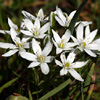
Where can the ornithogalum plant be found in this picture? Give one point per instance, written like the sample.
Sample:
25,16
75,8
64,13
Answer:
39,42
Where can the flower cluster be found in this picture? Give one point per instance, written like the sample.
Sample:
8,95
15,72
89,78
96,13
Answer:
39,28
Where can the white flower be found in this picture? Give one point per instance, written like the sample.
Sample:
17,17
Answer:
11,25
40,15
86,43
19,45
41,56
62,43
34,30
68,65
62,18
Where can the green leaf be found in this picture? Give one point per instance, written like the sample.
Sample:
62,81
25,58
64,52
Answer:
88,79
75,17
8,84
54,91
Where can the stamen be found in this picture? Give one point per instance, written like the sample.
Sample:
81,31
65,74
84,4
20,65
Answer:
67,64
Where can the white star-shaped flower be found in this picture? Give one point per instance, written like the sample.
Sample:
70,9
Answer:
20,45
40,15
11,25
40,57
62,18
86,43
62,43
68,65
35,30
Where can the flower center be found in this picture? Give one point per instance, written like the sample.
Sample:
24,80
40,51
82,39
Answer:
35,31
61,45
17,30
67,64
41,58
83,44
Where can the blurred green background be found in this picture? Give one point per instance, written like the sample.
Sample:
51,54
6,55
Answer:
12,9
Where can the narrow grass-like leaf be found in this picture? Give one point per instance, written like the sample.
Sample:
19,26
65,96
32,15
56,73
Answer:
88,79
54,91
75,17
8,84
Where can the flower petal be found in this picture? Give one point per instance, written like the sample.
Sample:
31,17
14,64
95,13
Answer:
58,50
28,24
28,56
66,36
79,64
28,15
28,33
58,63
4,31
48,59
10,53
79,32
74,39
90,53
35,46
91,36
63,71
59,21
87,31
72,14
7,45
94,46
45,28
41,36
33,64
75,75
37,23
71,57
47,49
11,24
56,36
44,68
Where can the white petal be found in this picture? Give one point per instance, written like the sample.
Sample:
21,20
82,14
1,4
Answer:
72,14
71,57
4,31
11,24
79,32
48,59
40,13
56,36
66,36
75,75
55,43
13,34
37,23
79,64
63,58
58,50
87,31
94,46
58,63
45,28
96,41
10,53
44,68
74,39
63,71
28,56
33,64
90,53
91,36
47,49
41,36
28,33
28,24
35,46
28,15
7,45
59,21
60,15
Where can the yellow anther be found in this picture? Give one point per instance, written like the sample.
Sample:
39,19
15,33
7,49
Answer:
61,45
67,64
40,58
83,44
17,30
19,44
